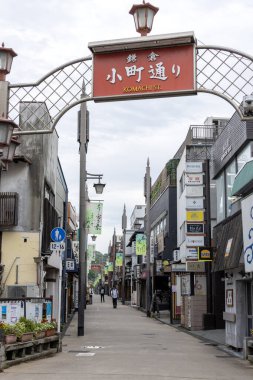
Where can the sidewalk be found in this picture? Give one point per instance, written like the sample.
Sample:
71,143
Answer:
215,337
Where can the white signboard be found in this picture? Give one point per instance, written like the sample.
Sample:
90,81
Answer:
194,191
194,203
247,225
57,246
176,254
194,179
195,241
75,249
191,254
193,167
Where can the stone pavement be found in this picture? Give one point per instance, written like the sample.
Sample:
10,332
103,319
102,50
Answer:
124,344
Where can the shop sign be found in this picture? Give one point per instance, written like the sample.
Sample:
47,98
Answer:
195,266
194,228
185,285
195,216
178,268
191,254
176,255
205,254
193,167
70,265
194,179
160,241
247,224
194,241
146,72
195,203
194,191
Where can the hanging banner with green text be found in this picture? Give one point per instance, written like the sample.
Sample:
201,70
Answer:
141,245
94,218
119,259
110,267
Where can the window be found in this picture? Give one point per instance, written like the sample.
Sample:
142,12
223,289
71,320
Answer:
220,188
244,156
230,177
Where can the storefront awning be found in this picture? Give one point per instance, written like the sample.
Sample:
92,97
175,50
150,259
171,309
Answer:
243,182
228,241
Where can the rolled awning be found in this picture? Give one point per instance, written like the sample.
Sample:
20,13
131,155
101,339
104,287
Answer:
243,182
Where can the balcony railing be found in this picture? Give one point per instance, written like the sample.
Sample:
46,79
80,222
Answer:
8,209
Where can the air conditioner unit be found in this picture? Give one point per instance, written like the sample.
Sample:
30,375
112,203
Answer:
19,291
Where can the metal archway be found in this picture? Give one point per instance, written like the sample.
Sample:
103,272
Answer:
221,71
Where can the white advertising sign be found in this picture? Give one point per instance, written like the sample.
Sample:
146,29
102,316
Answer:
194,203
75,249
193,167
176,254
191,254
247,225
195,241
193,179
194,191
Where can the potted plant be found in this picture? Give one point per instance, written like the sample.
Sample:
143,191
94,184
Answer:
50,328
9,333
39,331
25,328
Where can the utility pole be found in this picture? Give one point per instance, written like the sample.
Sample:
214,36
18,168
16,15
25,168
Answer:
124,227
82,216
147,188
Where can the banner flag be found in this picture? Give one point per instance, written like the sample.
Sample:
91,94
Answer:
94,218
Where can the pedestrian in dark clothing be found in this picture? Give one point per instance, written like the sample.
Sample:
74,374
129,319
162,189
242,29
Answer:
114,295
102,293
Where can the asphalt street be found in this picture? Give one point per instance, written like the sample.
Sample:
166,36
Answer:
124,344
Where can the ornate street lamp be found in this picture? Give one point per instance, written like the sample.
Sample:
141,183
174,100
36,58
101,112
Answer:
143,17
7,152
6,129
6,57
99,187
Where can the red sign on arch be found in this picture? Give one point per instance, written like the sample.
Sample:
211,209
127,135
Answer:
147,72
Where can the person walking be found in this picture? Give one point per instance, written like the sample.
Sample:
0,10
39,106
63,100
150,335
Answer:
114,295
90,294
102,293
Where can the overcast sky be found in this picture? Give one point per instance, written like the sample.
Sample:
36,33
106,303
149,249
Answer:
46,34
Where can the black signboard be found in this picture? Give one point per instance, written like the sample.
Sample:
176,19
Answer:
195,228
205,254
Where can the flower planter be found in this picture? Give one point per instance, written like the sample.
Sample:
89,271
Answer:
40,334
26,337
50,332
9,339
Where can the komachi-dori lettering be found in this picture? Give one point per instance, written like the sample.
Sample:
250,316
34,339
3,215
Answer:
113,76
133,70
158,72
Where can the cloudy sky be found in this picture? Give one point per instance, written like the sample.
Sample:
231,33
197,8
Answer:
46,34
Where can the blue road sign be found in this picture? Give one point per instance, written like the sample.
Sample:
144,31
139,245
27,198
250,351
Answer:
58,234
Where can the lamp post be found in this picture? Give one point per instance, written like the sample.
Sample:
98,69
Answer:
143,15
84,176
147,187
124,226
7,142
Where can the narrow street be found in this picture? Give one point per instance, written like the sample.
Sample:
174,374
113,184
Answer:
123,344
